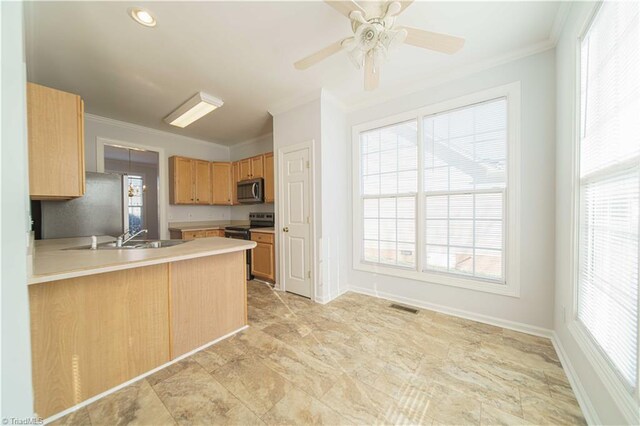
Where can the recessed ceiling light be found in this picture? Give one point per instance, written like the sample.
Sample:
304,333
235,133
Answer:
195,108
142,16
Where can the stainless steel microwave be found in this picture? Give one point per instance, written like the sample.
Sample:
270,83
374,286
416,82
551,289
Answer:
251,191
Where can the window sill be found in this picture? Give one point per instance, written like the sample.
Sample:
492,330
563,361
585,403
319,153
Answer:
614,385
441,279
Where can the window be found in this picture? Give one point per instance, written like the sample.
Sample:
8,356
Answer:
609,185
464,181
136,203
389,186
434,189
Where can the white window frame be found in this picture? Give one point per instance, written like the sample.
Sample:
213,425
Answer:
511,286
625,399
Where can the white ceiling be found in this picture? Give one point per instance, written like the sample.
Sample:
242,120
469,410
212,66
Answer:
243,53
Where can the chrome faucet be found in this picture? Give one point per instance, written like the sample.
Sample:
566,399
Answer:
126,237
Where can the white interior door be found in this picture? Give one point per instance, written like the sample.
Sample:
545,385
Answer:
296,227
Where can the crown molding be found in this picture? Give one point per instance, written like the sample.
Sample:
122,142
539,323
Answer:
252,140
148,130
332,99
436,79
294,102
558,22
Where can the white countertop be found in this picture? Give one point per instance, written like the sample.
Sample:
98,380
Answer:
263,230
203,225
51,262
196,227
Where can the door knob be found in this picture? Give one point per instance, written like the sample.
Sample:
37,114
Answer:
285,229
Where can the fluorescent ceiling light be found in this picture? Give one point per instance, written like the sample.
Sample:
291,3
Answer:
197,107
142,16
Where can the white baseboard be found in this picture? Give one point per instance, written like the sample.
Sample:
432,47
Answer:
135,379
486,319
588,410
325,300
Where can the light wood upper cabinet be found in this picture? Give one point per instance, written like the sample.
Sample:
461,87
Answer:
269,194
252,168
202,182
222,178
181,180
189,181
245,169
235,178
257,167
56,143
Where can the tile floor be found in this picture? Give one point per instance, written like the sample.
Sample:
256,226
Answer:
353,361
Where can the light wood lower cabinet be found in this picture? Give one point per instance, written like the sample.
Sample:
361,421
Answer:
214,233
208,297
56,143
92,333
192,235
263,259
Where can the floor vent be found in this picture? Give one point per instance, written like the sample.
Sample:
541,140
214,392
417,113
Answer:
403,308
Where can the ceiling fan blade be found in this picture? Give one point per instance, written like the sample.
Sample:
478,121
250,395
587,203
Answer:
433,41
345,7
314,58
371,73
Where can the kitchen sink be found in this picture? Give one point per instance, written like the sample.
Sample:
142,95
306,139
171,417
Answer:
133,244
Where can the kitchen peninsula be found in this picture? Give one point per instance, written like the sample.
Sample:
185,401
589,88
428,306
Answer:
100,318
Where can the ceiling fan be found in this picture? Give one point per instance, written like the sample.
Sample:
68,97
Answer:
375,34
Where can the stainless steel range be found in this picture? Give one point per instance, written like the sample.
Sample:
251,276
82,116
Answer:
241,232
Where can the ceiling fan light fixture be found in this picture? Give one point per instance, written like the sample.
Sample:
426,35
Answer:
195,108
142,16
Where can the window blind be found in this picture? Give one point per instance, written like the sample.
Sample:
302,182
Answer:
465,160
609,184
389,179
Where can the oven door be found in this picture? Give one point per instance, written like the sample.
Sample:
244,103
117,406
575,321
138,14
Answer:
239,235
250,191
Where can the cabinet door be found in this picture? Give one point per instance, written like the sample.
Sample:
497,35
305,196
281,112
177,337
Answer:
257,167
235,178
262,262
269,194
222,173
56,143
214,233
245,169
203,182
181,178
192,235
